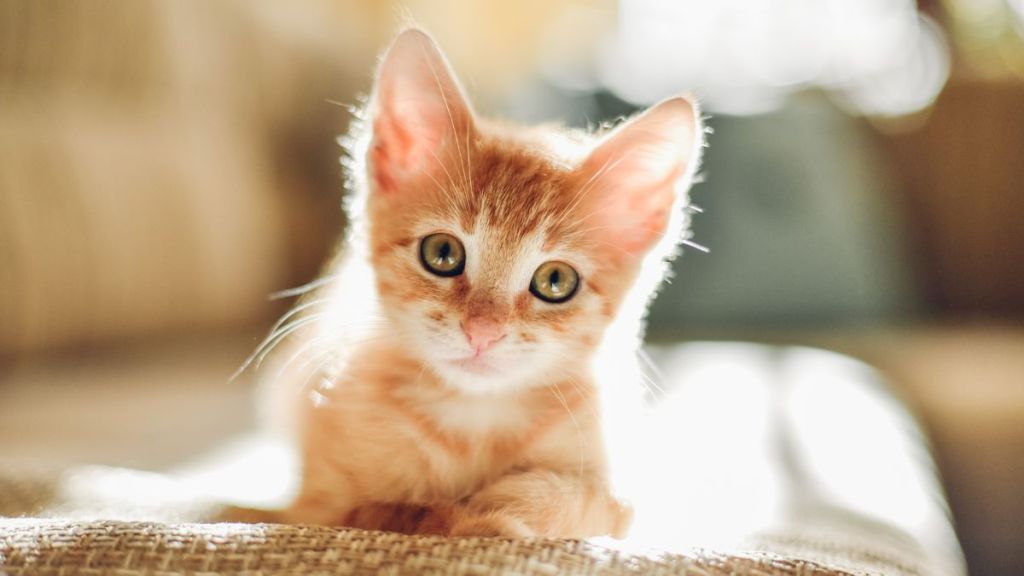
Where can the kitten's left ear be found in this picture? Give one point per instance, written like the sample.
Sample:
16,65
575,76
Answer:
632,180
418,111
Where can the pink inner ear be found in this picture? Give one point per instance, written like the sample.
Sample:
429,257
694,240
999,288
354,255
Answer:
418,109
403,148
395,153
634,221
635,175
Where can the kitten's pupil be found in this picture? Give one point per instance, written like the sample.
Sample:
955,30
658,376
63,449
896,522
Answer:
553,280
444,254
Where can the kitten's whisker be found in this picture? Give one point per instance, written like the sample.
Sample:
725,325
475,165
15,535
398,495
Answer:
653,388
284,332
645,358
295,310
273,334
694,245
650,381
298,290
326,355
296,322
320,355
304,349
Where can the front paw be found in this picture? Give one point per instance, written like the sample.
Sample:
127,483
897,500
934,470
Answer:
621,518
387,516
491,525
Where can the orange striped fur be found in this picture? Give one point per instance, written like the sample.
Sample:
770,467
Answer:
402,424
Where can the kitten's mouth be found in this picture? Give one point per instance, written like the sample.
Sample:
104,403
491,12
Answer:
477,364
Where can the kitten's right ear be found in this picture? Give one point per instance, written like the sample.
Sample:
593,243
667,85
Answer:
418,111
636,176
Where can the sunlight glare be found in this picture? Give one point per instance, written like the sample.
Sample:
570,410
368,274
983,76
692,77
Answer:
880,57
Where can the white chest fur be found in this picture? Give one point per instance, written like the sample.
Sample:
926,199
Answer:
477,414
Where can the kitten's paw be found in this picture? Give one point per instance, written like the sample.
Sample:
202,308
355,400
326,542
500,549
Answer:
491,525
437,521
398,517
622,518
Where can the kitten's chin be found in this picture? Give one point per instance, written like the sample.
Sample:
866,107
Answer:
479,376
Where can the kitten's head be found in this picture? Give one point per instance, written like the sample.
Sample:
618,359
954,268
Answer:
503,254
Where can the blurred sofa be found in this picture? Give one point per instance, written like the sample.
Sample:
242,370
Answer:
164,167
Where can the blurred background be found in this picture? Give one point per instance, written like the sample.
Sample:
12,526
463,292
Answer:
164,166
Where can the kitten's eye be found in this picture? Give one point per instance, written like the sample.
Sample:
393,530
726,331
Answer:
442,254
554,282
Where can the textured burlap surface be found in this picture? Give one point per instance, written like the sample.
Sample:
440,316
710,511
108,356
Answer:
74,522
112,547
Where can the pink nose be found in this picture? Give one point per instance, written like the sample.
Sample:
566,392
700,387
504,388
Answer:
482,333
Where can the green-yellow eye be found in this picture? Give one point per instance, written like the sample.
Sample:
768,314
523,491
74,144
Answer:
554,282
442,254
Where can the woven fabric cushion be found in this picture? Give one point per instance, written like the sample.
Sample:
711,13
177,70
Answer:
73,533
792,461
61,547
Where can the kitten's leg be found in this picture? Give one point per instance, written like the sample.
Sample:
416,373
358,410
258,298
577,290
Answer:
326,494
543,503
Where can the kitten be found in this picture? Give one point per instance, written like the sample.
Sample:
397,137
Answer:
459,368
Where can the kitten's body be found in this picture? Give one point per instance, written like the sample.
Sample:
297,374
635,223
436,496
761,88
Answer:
467,404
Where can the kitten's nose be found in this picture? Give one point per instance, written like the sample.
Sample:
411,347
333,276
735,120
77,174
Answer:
482,333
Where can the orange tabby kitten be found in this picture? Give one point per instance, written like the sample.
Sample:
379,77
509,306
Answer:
456,371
